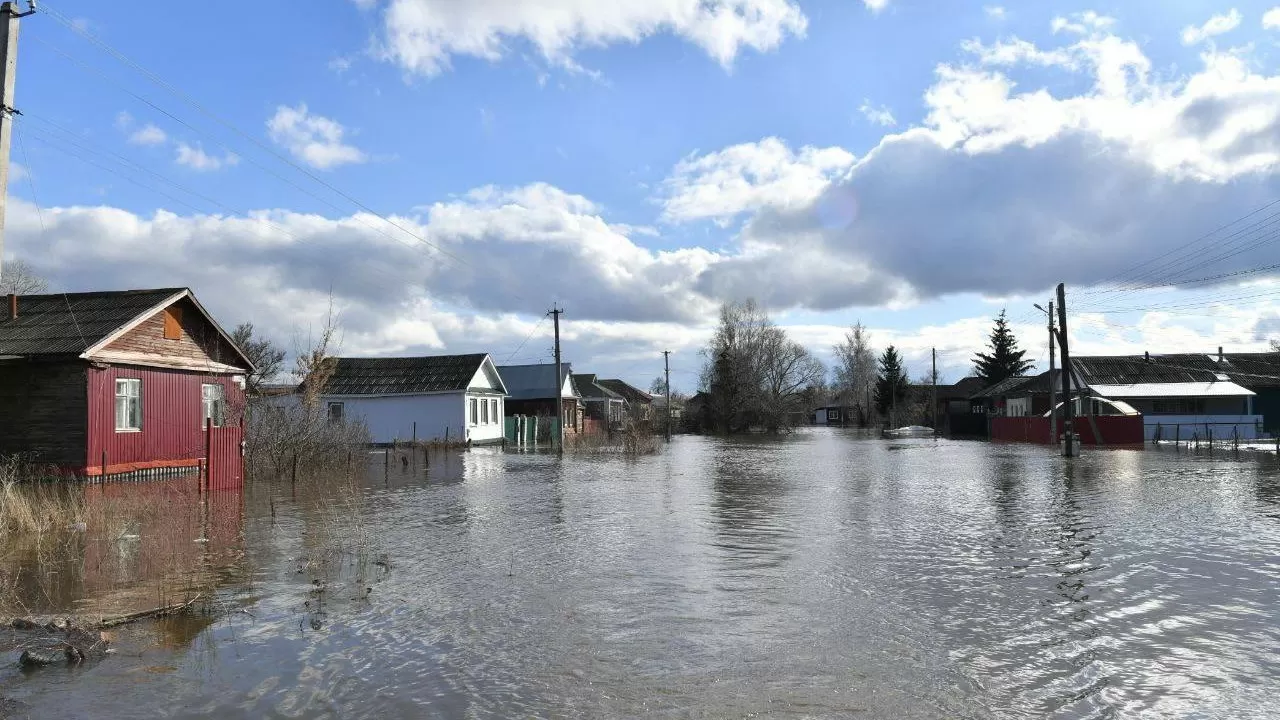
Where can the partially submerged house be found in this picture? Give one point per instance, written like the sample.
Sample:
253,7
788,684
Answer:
639,404
454,398
1180,395
835,415
531,392
134,382
602,404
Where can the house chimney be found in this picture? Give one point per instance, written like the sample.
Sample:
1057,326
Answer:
13,306
1146,356
1219,353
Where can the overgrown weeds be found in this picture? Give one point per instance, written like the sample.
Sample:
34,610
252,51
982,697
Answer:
280,441
635,438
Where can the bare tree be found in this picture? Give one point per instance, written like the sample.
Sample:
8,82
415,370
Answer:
267,359
17,278
314,364
754,373
855,369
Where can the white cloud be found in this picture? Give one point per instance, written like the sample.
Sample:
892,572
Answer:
750,176
880,115
995,12
1271,19
876,6
340,64
1214,26
1084,23
194,157
312,139
423,35
148,135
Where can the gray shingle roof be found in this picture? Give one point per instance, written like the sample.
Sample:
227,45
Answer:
532,382
589,389
69,324
402,376
629,392
1004,387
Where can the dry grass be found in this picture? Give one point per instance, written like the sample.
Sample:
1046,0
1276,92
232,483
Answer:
634,439
279,439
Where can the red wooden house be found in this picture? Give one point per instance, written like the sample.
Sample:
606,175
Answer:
128,383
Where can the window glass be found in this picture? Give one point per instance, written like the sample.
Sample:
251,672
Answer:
214,403
129,404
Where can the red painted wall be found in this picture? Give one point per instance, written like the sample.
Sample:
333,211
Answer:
171,434
1114,429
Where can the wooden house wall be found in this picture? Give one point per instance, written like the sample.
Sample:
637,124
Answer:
199,340
43,410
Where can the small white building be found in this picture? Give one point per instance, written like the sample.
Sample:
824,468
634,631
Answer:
458,398
1219,408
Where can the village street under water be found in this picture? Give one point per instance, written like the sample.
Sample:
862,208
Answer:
825,574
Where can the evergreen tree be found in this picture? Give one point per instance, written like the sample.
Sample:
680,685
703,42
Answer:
891,382
1005,359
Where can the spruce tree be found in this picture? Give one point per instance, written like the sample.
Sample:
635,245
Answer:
891,381
1005,359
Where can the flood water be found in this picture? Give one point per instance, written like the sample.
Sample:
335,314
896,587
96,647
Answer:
820,575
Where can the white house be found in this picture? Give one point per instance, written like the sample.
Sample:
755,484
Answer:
458,398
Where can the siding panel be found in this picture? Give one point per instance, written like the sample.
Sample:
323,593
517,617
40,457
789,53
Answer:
171,434
43,407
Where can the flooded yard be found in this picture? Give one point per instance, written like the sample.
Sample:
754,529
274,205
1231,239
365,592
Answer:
819,575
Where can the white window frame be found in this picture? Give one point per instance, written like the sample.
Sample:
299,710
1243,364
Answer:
128,395
493,410
484,411
474,411
214,406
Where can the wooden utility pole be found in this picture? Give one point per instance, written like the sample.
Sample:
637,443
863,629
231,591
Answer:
1053,390
666,370
935,391
554,312
1068,423
8,75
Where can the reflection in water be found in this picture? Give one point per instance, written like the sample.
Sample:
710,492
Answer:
822,575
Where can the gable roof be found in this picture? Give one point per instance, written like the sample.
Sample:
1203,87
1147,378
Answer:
589,389
963,389
80,324
403,376
534,382
1004,387
629,392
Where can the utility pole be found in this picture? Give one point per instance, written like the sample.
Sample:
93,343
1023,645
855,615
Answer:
935,391
1053,390
666,370
554,312
8,74
1068,424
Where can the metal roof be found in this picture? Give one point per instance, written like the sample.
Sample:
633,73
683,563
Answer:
1172,389
403,376
589,389
628,391
1004,387
71,323
534,382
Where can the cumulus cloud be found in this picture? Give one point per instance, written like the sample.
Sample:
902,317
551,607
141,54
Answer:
877,115
423,35
995,12
194,157
312,139
1214,26
148,135
1271,19
748,177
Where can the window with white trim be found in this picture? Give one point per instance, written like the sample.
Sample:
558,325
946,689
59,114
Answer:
213,402
336,412
475,411
484,412
493,409
128,405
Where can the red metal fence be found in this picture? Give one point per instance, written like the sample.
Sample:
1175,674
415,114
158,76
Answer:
224,457
1124,430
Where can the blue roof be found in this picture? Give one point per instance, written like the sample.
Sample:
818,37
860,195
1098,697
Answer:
533,382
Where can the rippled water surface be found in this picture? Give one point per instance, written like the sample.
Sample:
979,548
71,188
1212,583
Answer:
821,575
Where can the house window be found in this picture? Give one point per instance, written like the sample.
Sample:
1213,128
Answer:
336,412
475,412
493,410
128,405
173,323
214,403
484,412
1178,406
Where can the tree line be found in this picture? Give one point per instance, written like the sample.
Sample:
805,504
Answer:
755,377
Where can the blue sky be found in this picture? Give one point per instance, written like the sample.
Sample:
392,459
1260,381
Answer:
915,166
